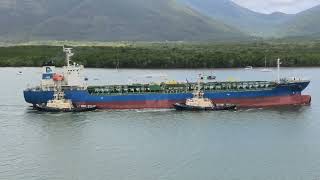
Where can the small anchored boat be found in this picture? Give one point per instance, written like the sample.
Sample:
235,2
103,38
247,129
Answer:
248,68
200,103
265,69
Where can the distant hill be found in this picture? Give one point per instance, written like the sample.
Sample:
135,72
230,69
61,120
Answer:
148,20
258,24
304,24
108,20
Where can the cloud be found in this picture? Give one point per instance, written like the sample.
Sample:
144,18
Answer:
286,6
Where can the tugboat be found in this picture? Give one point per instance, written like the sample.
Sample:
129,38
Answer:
59,103
199,103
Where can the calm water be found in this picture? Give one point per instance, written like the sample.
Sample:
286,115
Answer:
279,143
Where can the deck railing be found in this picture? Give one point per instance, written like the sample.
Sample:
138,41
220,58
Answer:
181,88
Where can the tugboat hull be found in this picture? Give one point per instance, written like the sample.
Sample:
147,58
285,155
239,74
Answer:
76,109
223,107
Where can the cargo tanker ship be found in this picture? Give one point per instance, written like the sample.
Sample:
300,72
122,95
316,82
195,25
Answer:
164,95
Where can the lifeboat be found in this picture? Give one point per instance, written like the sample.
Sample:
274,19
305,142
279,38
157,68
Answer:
58,77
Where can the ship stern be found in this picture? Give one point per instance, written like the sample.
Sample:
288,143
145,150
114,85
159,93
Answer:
37,97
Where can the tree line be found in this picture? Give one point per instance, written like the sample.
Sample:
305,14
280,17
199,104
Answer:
169,55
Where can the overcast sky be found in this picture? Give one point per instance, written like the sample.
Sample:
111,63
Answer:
286,6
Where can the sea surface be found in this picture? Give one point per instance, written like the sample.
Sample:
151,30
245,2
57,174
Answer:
249,144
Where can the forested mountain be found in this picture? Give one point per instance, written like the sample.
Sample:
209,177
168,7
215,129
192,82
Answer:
254,23
306,23
108,20
147,20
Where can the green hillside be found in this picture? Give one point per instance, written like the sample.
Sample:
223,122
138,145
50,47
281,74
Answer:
304,24
254,23
112,20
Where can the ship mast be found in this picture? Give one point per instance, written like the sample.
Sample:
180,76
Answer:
265,61
199,83
278,66
69,54
197,93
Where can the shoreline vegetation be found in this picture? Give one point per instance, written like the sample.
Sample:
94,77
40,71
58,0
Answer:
163,55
